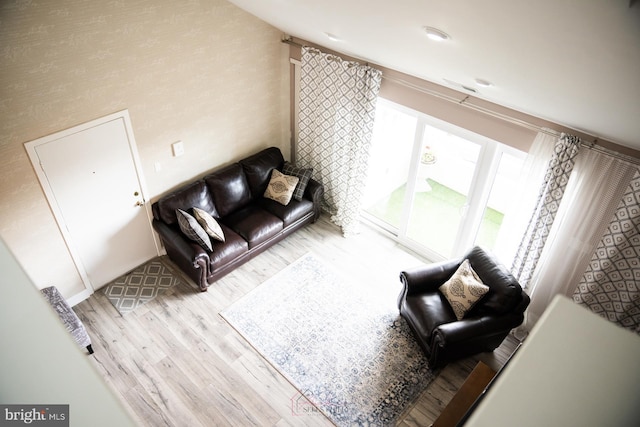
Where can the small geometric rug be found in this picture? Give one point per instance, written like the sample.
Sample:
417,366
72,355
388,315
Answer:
342,344
140,286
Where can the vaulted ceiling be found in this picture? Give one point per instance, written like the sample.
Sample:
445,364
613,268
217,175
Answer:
573,62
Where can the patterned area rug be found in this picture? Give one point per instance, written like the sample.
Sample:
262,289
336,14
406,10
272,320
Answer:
140,286
341,344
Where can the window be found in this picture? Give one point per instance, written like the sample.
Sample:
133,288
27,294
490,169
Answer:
439,188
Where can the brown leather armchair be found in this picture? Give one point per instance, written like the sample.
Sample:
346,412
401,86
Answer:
442,336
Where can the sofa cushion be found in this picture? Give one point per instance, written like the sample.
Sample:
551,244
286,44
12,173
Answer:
192,229
289,213
195,194
463,290
227,251
504,290
254,224
281,187
208,223
229,189
303,173
258,167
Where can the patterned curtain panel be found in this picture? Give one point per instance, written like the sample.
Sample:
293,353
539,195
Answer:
611,284
337,111
549,198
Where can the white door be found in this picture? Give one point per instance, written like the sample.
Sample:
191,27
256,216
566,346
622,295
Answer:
92,183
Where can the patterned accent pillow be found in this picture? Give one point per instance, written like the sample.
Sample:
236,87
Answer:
210,225
281,187
190,227
464,289
303,173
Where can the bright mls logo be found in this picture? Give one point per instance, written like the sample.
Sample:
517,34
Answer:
34,415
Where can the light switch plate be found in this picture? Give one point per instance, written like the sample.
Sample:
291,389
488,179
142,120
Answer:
178,148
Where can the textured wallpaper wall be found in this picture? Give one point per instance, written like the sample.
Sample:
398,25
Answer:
200,71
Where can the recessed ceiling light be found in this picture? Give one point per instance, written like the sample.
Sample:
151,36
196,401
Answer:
483,83
333,37
436,34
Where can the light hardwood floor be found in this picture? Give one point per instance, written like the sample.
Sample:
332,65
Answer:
176,362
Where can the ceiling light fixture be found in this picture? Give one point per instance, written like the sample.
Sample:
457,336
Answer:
461,86
333,37
436,34
483,83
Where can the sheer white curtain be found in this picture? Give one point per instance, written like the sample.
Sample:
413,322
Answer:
523,203
337,111
593,192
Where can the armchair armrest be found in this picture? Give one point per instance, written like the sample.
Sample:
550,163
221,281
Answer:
467,330
315,193
428,277
470,336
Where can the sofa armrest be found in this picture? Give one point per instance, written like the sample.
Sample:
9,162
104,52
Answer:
177,241
189,256
315,193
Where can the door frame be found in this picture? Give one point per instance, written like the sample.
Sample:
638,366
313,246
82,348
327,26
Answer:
31,147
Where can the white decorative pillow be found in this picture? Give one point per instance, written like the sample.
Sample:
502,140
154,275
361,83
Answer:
209,224
464,289
281,187
190,227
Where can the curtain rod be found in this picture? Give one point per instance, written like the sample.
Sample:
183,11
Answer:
289,40
589,144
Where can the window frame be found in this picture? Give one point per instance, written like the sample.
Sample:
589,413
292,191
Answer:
484,174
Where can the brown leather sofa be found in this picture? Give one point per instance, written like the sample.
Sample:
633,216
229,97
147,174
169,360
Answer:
250,222
441,335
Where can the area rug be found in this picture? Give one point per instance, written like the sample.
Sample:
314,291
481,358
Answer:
140,286
341,343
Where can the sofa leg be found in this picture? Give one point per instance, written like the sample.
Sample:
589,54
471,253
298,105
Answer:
90,349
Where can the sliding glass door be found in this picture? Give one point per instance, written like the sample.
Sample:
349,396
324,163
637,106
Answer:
445,170
438,188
